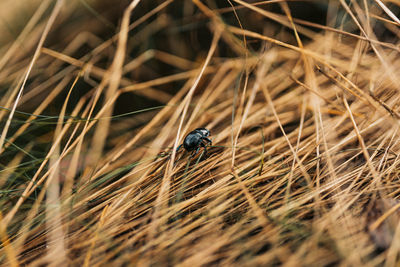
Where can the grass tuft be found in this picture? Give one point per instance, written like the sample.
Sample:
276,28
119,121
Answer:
301,99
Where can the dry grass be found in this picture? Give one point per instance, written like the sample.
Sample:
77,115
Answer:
303,109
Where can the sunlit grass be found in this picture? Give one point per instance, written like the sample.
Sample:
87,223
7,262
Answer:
303,113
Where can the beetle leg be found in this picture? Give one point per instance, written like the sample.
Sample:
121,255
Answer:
195,152
208,140
179,147
205,149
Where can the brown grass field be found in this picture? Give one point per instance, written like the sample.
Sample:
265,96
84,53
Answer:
301,98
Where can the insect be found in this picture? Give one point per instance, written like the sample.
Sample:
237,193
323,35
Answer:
195,140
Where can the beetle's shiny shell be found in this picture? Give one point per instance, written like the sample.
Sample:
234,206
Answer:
194,138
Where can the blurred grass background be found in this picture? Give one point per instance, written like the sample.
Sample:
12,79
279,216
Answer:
301,98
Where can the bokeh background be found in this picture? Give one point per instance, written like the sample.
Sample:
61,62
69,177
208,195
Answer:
301,98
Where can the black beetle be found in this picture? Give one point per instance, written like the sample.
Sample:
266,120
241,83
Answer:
195,140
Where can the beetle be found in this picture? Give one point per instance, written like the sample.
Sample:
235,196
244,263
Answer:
195,140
